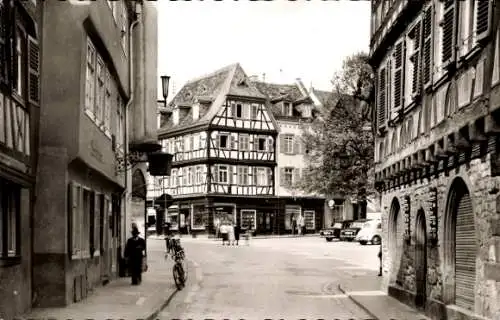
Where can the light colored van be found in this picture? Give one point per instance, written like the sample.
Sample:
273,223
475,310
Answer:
371,232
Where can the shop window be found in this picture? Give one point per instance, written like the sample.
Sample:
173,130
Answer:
10,229
309,219
198,217
248,219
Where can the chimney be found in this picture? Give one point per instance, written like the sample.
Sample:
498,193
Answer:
264,77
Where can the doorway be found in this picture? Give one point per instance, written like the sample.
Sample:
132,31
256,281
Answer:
421,258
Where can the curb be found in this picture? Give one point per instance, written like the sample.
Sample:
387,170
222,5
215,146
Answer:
374,317
163,306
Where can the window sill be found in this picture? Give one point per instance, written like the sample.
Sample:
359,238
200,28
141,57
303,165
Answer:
10,261
470,55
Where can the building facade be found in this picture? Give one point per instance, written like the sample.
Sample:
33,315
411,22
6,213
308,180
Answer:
223,139
20,42
437,96
98,74
293,108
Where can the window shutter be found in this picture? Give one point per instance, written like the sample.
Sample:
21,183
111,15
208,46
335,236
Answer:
72,215
448,35
296,145
270,145
232,142
233,110
381,98
270,177
216,173
427,48
398,57
254,175
482,19
230,175
4,36
282,176
416,36
296,175
282,143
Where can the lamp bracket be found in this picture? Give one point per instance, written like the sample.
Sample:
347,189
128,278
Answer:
127,162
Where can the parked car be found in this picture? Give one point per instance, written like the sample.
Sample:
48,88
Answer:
371,232
334,231
349,234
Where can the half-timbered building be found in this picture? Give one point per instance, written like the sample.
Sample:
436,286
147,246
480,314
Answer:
19,123
437,100
223,138
293,108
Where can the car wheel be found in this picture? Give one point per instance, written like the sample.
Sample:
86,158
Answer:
329,239
362,243
376,240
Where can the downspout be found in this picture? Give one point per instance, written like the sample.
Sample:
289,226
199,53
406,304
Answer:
127,107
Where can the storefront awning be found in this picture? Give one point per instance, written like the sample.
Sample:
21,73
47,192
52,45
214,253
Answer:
164,201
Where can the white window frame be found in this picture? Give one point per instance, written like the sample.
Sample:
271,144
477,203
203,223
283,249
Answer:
90,79
174,178
199,174
243,176
223,169
228,141
288,170
265,144
288,141
190,176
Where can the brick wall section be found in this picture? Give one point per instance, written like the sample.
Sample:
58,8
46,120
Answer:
477,176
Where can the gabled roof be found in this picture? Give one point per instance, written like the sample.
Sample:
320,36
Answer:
210,91
274,91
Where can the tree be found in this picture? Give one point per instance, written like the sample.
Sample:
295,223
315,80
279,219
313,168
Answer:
340,158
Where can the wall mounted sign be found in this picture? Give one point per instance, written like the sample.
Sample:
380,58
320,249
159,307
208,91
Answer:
407,218
433,220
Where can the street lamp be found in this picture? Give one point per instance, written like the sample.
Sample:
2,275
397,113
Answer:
165,80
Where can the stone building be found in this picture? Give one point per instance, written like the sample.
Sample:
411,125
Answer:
20,40
437,153
99,78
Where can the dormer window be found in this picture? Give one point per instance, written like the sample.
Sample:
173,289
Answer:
287,109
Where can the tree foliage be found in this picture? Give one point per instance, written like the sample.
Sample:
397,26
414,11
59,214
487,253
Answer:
340,140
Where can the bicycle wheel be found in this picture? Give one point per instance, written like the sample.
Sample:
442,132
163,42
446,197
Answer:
178,276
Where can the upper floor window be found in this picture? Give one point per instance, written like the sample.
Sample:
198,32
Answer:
287,109
288,144
223,141
190,175
243,175
243,142
261,176
19,56
262,144
100,90
199,174
288,176
223,174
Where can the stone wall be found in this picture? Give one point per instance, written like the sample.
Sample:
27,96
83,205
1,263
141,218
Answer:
440,275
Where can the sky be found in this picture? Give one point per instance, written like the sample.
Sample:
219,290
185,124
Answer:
282,39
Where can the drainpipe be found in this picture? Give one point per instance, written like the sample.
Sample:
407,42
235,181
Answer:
127,107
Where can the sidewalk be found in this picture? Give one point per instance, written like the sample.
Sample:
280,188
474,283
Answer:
365,292
119,299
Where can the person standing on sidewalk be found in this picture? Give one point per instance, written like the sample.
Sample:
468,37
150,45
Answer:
223,232
135,250
230,234
237,232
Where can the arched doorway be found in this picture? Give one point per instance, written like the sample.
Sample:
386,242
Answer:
421,258
395,239
460,246
138,203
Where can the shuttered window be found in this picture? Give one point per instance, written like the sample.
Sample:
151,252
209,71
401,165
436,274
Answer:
482,19
415,36
448,33
398,76
381,114
427,47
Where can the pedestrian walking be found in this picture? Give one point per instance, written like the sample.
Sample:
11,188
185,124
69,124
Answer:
135,251
380,263
223,231
237,232
217,227
300,224
231,234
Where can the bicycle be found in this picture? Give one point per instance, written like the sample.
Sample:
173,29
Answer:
177,252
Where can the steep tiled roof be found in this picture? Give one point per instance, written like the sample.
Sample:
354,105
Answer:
275,91
210,92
